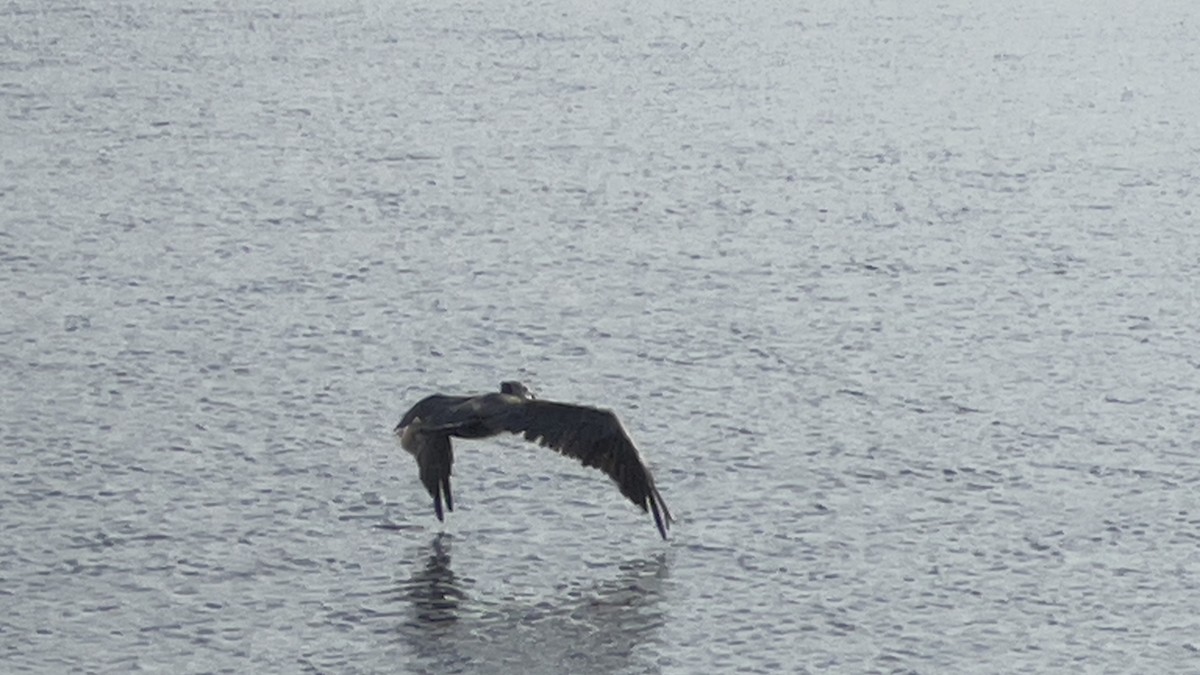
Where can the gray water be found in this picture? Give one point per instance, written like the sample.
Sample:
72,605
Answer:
898,300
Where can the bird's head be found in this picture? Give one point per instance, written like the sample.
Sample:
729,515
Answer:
516,389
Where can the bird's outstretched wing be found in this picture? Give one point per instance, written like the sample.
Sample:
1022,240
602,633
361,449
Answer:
594,437
435,458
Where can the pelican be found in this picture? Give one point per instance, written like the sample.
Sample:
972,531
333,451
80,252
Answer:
595,437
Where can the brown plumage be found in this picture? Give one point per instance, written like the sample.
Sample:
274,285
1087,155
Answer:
595,437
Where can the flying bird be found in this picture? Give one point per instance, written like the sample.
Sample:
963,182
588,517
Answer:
593,436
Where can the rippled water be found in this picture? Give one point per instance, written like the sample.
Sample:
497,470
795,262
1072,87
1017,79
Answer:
899,302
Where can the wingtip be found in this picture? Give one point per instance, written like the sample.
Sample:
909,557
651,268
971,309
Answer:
662,524
662,514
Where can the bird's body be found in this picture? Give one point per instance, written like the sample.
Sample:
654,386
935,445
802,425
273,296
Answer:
591,435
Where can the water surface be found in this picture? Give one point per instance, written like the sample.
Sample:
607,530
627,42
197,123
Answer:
898,301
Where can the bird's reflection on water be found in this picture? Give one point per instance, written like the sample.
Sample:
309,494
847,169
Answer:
585,628
434,591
